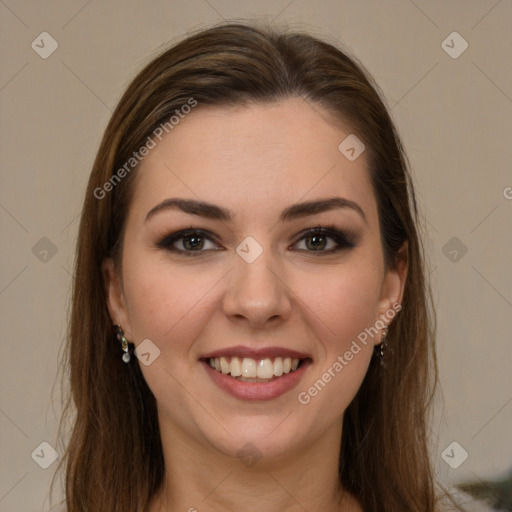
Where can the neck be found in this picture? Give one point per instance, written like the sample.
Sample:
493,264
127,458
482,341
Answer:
201,479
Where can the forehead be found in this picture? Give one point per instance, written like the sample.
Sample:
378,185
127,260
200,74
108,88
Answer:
255,158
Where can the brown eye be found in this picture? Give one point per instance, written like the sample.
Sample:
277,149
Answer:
192,242
325,240
188,242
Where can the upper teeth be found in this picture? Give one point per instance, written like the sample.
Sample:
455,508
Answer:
252,368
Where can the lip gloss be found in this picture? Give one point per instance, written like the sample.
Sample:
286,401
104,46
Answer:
258,391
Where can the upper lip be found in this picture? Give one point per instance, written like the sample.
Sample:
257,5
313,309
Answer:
256,353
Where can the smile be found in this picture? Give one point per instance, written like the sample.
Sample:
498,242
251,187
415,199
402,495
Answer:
253,370
259,374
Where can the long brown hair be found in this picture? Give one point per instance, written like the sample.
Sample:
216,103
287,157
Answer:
114,458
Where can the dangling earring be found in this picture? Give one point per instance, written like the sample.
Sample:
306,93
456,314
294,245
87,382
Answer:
124,343
382,348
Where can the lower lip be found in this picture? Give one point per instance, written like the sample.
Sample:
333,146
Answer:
256,390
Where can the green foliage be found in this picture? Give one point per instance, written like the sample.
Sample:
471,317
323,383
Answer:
498,494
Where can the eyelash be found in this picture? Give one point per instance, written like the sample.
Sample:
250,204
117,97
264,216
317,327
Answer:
343,240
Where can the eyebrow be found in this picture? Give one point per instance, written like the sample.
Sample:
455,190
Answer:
295,211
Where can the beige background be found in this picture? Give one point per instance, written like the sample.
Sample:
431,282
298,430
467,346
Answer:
455,119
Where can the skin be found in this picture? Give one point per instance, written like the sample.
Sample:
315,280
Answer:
255,160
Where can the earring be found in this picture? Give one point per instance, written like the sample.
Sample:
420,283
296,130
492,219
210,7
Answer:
124,343
382,348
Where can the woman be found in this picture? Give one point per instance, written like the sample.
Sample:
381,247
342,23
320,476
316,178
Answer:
250,326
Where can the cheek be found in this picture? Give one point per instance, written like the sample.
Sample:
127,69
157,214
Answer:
166,305
171,308
344,304
343,311
347,350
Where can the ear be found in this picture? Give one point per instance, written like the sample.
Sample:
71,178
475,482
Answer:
116,301
393,288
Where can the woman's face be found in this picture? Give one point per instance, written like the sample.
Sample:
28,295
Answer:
251,285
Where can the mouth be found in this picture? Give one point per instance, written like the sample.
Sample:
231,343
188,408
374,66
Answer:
262,374
248,369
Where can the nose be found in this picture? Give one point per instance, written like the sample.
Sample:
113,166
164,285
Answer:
257,293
